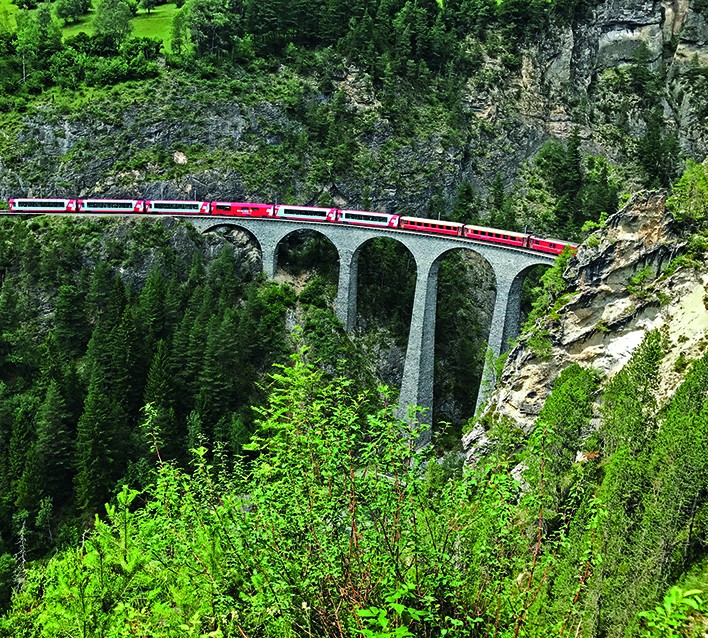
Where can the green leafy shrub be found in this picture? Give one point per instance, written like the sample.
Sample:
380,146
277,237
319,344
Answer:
667,619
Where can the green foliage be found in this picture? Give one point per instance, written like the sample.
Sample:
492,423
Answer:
665,620
689,196
70,10
551,288
38,37
640,282
334,527
77,367
657,153
576,191
112,22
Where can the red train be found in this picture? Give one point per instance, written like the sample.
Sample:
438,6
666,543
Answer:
286,211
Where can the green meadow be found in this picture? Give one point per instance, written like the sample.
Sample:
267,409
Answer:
156,24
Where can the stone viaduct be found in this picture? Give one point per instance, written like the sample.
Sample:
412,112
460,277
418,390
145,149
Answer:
509,265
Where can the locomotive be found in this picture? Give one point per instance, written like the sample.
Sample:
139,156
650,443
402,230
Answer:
287,211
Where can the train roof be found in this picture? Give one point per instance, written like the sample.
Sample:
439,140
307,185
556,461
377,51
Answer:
428,220
177,201
254,204
40,199
488,229
367,212
103,199
297,207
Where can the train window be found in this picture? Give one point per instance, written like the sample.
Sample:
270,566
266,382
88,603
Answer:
364,218
223,207
175,206
90,204
39,204
306,213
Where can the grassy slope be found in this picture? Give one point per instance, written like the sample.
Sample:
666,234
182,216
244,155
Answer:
7,12
156,25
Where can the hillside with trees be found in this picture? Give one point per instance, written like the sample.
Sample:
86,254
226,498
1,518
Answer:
189,449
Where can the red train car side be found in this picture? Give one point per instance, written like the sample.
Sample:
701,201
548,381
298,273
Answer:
175,207
27,205
110,205
437,226
241,209
552,246
286,211
307,213
506,237
369,218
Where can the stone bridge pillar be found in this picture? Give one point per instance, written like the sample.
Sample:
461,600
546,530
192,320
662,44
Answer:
346,302
269,256
506,315
417,386
505,326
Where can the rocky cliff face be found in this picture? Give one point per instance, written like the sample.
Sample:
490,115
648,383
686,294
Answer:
618,296
573,77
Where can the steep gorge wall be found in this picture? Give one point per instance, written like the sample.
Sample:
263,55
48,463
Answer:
618,295
570,77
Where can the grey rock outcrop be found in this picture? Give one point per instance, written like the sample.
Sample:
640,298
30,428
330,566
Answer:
618,296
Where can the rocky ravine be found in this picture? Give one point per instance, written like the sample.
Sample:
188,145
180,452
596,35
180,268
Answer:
603,323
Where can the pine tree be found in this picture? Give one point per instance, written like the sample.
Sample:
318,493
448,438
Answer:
71,328
54,450
220,381
129,362
97,449
152,308
20,448
160,393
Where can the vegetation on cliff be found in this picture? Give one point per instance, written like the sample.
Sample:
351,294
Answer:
378,105
134,358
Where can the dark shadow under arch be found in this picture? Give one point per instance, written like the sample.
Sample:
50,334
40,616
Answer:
465,302
306,250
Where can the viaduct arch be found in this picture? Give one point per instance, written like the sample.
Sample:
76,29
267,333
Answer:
509,265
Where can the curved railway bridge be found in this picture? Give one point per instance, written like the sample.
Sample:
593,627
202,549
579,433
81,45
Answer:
510,266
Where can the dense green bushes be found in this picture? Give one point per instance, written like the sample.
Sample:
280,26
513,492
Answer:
334,528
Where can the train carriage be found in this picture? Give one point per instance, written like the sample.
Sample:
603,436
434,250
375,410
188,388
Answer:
506,237
241,209
175,207
437,226
553,246
368,218
111,206
307,213
286,211
26,205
